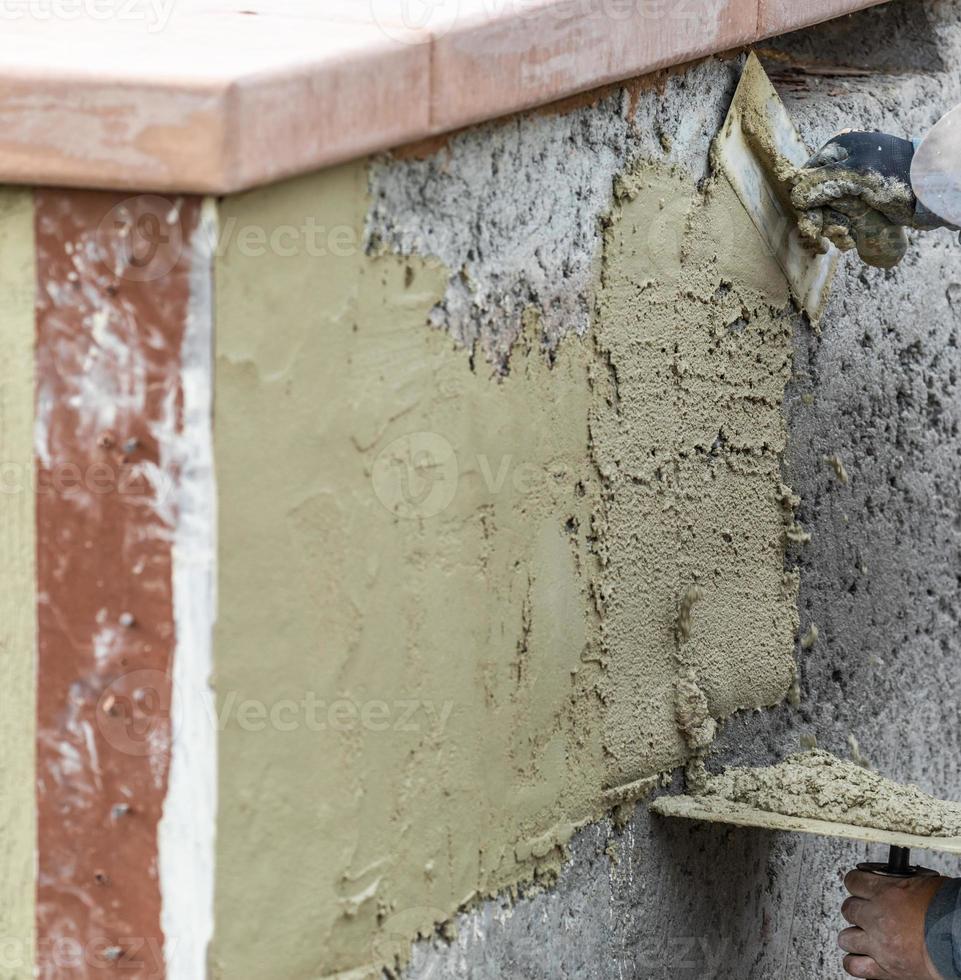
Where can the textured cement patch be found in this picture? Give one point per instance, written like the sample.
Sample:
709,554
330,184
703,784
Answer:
18,828
821,786
697,613
464,592
512,208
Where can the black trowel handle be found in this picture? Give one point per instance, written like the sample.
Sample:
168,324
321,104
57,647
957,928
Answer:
898,865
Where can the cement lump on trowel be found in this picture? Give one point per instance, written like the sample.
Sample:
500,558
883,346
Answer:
819,786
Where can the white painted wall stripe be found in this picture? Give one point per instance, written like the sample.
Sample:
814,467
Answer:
188,826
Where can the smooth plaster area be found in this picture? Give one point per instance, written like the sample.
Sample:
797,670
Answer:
451,599
18,595
399,560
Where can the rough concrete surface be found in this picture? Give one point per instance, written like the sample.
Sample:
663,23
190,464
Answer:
514,209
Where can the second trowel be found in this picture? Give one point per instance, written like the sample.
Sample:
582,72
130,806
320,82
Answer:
758,149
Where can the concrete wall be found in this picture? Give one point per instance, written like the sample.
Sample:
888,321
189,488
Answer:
558,390
514,207
578,333
510,434
511,548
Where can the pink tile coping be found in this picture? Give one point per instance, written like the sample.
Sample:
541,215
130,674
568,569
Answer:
211,96
779,16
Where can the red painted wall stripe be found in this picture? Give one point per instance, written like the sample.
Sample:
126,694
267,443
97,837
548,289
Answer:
113,291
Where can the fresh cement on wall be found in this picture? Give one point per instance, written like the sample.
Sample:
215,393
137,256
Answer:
687,440
435,682
513,208
452,592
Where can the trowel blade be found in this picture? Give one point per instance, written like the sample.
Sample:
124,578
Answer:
712,809
756,130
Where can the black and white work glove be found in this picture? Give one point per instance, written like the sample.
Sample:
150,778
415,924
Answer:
856,192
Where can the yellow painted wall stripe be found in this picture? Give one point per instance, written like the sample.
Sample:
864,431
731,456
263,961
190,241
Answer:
17,587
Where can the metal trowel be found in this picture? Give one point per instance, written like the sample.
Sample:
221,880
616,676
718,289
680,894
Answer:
758,149
716,810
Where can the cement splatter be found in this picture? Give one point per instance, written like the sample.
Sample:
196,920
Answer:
693,714
694,594
797,535
857,756
836,464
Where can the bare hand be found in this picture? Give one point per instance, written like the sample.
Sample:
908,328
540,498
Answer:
886,940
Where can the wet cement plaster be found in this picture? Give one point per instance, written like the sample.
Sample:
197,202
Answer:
877,389
820,786
512,208
687,438
404,732
571,569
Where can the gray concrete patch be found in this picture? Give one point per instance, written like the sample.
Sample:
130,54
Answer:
513,208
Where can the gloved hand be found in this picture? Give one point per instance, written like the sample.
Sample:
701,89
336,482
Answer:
856,192
886,940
